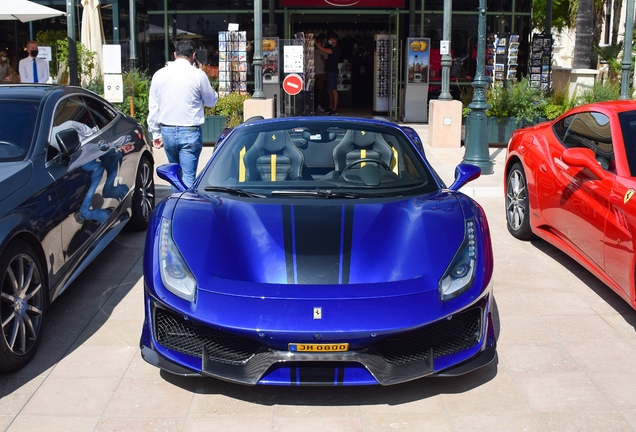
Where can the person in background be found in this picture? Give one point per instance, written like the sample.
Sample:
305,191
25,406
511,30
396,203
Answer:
319,64
331,69
5,66
178,93
33,69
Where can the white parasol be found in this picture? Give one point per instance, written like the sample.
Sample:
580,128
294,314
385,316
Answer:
92,31
25,11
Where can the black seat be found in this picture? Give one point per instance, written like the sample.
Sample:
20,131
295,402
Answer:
273,157
360,145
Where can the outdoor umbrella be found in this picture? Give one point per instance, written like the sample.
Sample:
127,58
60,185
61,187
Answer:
92,31
26,11
157,32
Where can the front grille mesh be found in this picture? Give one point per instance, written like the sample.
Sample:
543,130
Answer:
445,337
188,337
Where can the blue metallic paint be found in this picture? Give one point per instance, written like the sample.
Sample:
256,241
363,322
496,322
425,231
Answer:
235,248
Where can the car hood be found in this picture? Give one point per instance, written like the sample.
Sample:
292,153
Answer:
316,242
14,175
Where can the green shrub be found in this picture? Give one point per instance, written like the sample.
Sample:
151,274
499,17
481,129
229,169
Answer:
601,92
496,97
231,107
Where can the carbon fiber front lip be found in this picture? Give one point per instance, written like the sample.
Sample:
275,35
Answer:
250,373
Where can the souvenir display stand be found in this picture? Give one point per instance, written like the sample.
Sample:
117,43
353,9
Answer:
541,62
385,71
297,58
502,57
232,62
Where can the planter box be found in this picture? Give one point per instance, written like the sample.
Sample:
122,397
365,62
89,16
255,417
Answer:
500,128
211,128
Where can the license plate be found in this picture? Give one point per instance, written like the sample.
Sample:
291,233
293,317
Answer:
331,347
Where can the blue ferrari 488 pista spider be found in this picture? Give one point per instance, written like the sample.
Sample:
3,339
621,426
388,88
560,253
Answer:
318,251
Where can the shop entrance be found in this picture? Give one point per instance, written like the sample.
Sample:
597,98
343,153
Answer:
369,66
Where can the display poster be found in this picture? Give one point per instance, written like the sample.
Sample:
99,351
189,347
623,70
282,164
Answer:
111,59
293,59
418,60
270,61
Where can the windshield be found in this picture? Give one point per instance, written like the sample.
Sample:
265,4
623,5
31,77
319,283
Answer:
17,124
318,158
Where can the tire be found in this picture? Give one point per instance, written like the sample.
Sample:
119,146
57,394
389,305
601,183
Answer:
22,305
517,204
143,201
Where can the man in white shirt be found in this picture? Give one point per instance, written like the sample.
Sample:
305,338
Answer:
33,69
178,93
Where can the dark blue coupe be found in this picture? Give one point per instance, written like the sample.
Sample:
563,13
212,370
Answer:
318,251
73,172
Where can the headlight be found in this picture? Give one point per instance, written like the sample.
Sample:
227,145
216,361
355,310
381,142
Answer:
175,273
460,274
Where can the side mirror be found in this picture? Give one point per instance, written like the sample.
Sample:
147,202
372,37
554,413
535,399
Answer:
172,174
464,173
68,141
583,158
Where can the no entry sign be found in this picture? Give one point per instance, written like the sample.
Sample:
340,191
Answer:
293,84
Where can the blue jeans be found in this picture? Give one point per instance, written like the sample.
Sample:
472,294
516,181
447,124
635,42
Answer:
183,145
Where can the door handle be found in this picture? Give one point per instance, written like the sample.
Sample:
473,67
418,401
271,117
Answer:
543,167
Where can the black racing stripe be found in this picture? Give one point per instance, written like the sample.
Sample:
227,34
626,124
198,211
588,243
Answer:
317,373
293,378
318,231
347,240
341,371
288,243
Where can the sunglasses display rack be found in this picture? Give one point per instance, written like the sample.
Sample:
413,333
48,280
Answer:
385,70
232,62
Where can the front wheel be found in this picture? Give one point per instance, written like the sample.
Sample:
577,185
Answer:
143,201
517,205
22,305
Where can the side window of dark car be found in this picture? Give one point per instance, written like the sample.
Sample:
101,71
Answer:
102,113
70,109
592,130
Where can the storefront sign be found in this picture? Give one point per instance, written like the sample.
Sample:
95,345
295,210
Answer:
342,3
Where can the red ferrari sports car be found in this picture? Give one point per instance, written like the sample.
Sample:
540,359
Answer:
571,182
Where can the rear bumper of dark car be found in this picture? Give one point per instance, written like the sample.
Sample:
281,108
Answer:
447,347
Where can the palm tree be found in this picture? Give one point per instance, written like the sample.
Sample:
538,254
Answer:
584,34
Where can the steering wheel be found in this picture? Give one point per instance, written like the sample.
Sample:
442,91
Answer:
361,160
19,150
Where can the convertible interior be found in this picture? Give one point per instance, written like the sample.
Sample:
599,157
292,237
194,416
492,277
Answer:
317,156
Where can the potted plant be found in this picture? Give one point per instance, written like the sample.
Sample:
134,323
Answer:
227,113
512,106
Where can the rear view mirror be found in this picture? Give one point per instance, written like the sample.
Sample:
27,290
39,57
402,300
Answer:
172,174
464,173
68,141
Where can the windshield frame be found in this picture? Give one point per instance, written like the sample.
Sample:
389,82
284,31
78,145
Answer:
315,133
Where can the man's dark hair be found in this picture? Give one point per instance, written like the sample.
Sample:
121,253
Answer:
334,35
185,48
